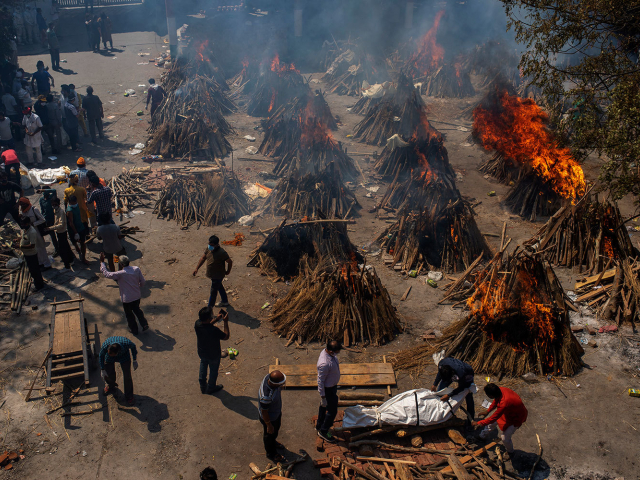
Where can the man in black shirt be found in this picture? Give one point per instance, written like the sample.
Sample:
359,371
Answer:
209,350
93,106
8,202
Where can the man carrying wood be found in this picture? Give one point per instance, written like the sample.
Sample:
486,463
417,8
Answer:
116,349
453,370
510,414
218,266
328,378
270,409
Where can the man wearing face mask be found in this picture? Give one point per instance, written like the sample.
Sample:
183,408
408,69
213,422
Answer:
328,377
218,266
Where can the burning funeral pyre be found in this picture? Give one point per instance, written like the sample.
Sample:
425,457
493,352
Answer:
190,122
312,195
428,55
518,321
245,81
275,86
491,59
444,238
330,301
202,62
516,129
398,113
448,81
353,68
372,95
316,241
206,199
590,234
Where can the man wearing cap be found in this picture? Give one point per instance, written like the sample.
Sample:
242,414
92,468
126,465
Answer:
11,166
130,282
33,138
270,411
81,172
209,349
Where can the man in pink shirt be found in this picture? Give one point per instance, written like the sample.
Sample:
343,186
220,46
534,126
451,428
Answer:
130,282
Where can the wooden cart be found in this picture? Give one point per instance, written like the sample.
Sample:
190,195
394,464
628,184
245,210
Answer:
71,353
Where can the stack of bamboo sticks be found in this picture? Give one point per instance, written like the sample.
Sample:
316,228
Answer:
129,191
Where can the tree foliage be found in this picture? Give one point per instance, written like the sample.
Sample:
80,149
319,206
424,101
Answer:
583,54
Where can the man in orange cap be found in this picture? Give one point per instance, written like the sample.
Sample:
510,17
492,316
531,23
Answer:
83,181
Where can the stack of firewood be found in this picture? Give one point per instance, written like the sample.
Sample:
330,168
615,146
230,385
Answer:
332,301
244,82
275,87
400,113
448,81
298,196
207,199
320,154
129,191
518,320
280,254
531,197
446,238
198,63
590,234
352,68
614,293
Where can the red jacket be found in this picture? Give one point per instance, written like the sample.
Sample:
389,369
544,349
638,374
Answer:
509,410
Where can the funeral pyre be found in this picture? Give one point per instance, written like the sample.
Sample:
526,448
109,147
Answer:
516,130
428,54
589,235
336,300
448,81
353,68
197,61
518,320
190,122
280,254
205,199
276,85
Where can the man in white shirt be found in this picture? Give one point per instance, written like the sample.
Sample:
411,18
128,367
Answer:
24,96
33,138
328,367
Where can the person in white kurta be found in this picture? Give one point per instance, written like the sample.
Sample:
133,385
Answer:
28,210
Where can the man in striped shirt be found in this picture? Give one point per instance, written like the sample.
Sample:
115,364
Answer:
270,410
116,349
328,378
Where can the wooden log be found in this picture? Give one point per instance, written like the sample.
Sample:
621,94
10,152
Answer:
459,471
364,403
468,458
406,294
403,471
356,395
385,460
46,357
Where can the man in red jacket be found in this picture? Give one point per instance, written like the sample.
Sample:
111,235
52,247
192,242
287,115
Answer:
510,414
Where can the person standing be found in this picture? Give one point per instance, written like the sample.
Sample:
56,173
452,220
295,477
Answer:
218,266
105,30
30,252
30,25
111,245
55,122
54,47
41,110
75,99
81,195
70,124
11,167
510,414
209,350
10,105
48,212
130,282
93,106
18,24
101,195
33,138
81,172
24,96
116,350
42,27
59,228
270,413
95,33
453,370
328,367
8,204
155,94
76,227
39,223
6,137
43,79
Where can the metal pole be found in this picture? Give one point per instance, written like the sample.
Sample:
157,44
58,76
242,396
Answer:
171,27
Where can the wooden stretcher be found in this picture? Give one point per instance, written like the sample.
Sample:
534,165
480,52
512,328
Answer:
71,353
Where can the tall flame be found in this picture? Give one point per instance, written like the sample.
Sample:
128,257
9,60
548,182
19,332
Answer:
429,53
518,130
200,51
282,68
315,129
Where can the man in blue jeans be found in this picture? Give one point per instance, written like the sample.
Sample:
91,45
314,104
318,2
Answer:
209,349
218,266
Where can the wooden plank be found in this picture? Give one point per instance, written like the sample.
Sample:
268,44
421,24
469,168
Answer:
607,275
84,343
458,469
370,380
387,460
66,368
67,359
593,293
67,376
67,301
468,458
345,369
74,309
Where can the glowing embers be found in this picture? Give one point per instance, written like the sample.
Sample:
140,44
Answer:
518,321
275,86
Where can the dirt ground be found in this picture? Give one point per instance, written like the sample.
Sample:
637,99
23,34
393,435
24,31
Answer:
174,431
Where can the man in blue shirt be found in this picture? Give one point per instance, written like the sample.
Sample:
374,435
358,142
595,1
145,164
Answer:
43,79
270,410
116,349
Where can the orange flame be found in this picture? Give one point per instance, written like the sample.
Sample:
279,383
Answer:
518,130
429,54
200,50
315,129
282,68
